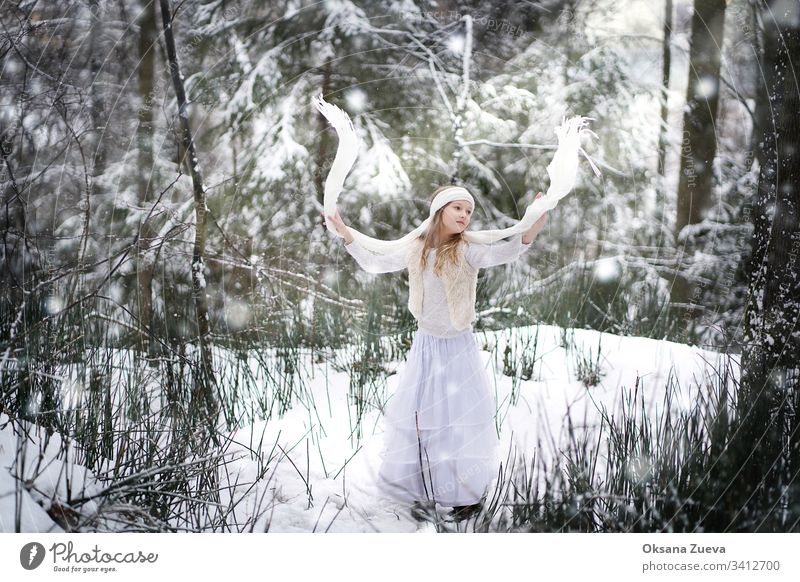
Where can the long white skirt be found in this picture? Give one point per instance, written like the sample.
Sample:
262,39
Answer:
440,441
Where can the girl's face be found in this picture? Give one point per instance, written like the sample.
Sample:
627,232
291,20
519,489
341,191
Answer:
456,216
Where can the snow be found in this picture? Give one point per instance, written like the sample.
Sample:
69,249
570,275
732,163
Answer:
36,471
277,126
456,43
378,170
607,269
237,314
197,269
53,304
638,16
356,100
706,88
320,474
345,16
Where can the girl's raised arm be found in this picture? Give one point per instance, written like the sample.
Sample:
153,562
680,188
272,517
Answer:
481,256
369,261
375,263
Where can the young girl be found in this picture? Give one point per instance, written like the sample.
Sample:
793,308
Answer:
440,444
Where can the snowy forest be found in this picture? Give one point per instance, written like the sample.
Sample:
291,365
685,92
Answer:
184,346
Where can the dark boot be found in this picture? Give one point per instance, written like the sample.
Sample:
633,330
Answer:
422,510
462,512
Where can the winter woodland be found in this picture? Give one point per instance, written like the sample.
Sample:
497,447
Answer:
184,346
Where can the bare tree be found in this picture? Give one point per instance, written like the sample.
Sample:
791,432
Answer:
699,143
145,256
203,393
666,63
768,397
702,96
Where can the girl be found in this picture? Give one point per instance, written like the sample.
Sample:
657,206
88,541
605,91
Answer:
440,443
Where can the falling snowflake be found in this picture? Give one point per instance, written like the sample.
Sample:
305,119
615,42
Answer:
606,270
456,43
356,99
706,88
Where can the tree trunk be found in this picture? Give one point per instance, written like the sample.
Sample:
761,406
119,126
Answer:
203,392
751,31
661,191
699,144
97,90
145,261
768,395
666,63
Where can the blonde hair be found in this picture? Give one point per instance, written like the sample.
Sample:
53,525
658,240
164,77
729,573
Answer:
448,250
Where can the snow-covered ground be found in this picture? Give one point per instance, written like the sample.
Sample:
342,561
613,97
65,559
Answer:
321,477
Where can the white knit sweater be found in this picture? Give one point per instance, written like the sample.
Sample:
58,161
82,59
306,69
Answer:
435,318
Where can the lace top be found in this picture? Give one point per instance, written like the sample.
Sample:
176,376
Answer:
435,317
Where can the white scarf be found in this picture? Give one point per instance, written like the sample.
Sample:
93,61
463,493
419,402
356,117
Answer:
562,171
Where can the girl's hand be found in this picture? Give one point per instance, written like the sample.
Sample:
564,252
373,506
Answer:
340,227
